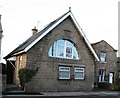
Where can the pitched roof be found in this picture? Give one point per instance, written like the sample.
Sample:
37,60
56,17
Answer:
104,42
30,42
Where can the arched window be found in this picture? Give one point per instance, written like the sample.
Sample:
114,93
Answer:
63,49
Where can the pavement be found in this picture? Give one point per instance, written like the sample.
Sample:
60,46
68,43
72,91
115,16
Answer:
80,93
101,93
16,91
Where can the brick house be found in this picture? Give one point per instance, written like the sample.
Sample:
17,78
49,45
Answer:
106,69
61,52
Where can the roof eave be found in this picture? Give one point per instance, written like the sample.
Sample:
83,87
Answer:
18,53
12,55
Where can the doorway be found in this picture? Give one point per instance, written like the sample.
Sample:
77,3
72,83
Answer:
111,77
10,72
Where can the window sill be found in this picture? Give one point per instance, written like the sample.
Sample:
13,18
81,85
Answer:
79,79
63,58
103,62
64,79
102,81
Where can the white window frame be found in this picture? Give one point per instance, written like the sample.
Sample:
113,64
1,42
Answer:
74,50
103,59
63,69
102,74
83,71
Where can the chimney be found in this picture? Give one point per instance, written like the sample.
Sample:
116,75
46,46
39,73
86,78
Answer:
34,31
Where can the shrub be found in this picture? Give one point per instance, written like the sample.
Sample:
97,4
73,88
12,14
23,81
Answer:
105,85
25,75
117,84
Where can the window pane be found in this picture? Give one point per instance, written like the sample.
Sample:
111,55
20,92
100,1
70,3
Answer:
75,53
69,52
102,59
52,50
60,42
103,56
79,73
64,73
69,43
60,51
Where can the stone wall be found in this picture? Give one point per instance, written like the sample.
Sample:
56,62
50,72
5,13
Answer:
47,77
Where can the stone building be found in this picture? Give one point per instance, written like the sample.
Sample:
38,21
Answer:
106,69
62,54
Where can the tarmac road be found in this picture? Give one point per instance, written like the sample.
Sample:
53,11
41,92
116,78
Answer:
42,96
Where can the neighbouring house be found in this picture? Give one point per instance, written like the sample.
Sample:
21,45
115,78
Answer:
64,57
3,72
106,69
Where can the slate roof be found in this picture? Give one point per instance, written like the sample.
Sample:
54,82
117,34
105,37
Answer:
101,42
30,42
32,38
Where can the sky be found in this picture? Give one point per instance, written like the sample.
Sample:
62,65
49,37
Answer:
97,18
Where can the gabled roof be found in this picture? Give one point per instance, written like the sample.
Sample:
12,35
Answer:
102,42
30,42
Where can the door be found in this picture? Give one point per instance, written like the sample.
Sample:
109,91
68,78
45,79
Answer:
111,77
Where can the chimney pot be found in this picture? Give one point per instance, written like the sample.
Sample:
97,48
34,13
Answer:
34,31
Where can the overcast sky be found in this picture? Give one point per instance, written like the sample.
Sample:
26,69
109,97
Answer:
97,18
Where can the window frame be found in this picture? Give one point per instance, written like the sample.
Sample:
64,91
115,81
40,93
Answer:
103,58
83,72
61,70
102,75
54,48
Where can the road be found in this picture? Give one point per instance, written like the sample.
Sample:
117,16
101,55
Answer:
82,96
